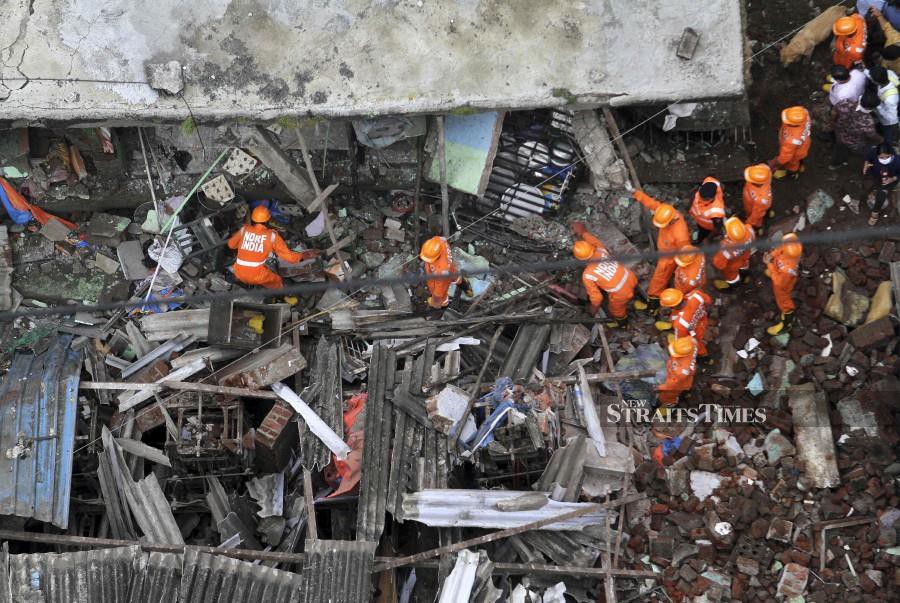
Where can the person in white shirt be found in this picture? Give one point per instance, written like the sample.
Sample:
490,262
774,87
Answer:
848,84
889,93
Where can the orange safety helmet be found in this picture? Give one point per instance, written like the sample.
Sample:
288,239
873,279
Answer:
583,250
735,230
260,215
431,250
792,247
845,26
758,174
663,215
687,256
669,298
794,116
682,347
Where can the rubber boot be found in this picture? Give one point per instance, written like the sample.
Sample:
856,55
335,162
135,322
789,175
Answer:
651,306
616,323
782,325
721,285
467,288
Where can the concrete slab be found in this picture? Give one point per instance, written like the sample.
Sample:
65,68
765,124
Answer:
264,59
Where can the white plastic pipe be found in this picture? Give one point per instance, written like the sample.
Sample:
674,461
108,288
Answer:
322,431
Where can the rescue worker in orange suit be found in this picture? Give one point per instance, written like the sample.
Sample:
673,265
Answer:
690,315
680,370
849,40
708,207
254,244
783,267
730,259
673,235
690,273
611,277
794,139
757,195
438,258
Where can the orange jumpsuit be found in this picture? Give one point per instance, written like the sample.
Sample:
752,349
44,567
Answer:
784,272
794,144
671,237
704,212
255,243
680,372
730,261
757,201
691,319
850,49
612,277
438,288
691,277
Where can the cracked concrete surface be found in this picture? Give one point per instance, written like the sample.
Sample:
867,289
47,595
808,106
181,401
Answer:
264,59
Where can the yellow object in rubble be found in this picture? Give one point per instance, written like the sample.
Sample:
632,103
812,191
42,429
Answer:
291,300
779,174
662,325
256,323
640,305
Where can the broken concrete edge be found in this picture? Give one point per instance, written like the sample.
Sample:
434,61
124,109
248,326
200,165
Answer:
268,116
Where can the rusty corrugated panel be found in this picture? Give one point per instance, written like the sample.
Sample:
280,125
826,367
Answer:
38,406
82,577
338,571
207,578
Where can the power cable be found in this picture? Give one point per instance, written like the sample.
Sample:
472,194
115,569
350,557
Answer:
820,238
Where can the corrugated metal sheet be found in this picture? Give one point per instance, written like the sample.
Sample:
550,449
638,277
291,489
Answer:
478,509
5,594
373,489
128,575
211,578
145,497
419,458
326,400
38,406
338,571
156,579
102,575
526,347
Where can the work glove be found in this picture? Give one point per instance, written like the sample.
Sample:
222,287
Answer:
629,187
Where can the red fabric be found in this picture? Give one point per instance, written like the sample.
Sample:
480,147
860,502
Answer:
19,202
350,469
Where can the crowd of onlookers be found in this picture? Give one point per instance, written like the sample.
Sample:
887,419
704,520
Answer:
864,92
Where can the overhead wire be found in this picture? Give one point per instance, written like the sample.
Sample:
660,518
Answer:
817,238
